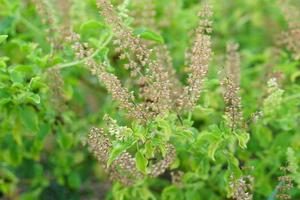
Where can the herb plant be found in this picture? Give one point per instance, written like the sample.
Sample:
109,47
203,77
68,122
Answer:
149,100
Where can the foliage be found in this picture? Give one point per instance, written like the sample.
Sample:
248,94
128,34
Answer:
53,91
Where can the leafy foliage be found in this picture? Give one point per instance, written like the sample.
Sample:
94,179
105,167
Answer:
49,101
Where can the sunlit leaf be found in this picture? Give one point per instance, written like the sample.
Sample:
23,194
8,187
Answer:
141,162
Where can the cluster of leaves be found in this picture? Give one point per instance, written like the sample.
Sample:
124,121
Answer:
45,116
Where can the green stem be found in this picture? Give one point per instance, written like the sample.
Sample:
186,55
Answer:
65,65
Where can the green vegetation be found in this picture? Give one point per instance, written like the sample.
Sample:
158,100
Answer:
150,99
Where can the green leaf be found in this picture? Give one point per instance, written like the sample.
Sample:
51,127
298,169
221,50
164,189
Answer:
139,132
25,97
165,127
141,162
295,76
39,141
6,23
233,165
212,140
263,135
35,98
37,83
3,38
74,180
118,149
15,154
34,194
149,150
203,168
16,77
243,139
23,69
149,35
91,28
212,149
175,164
171,192
4,101
29,118
64,139
3,61
183,133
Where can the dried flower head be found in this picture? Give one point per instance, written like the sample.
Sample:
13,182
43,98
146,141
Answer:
64,8
285,184
123,168
111,82
128,46
291,37
100,145
153,76
231,87
160,91
176,178
55,32
121,94
160,167
242,187
233,62
157,93
143,13
165,59
200,59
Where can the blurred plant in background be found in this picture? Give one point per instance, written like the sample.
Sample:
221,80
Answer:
176,99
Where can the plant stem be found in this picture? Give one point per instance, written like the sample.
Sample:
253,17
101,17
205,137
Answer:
65,65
